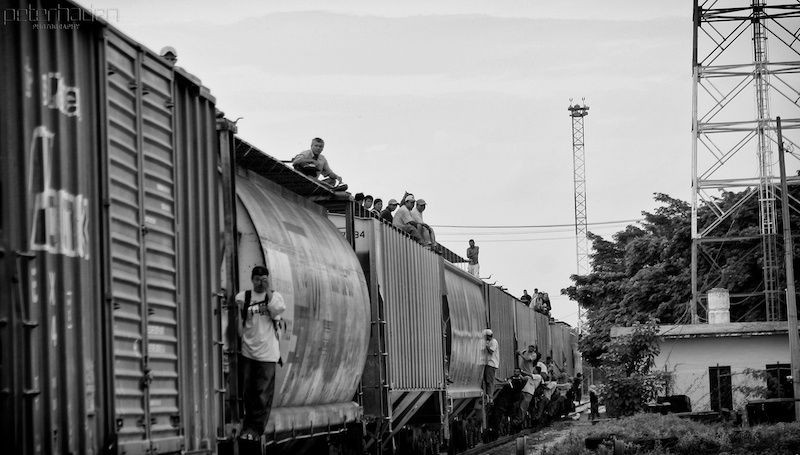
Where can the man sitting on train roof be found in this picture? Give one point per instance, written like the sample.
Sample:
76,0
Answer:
377,206
526,298
403,219
311,163
425,231
386,214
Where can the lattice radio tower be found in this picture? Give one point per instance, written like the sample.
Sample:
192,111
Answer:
734,133
578,112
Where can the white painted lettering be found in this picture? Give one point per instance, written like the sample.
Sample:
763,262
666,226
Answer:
56,94
59,219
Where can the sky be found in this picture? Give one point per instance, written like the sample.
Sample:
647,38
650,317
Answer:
463,103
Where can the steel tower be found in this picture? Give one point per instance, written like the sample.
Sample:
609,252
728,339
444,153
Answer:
732,75
578,112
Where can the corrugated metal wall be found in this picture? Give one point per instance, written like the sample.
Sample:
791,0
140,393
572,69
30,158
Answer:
541,324
467,322
502,309
410,286
563,344
143,248
526,331
52,398
199,258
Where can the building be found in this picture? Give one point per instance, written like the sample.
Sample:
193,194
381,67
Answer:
723,364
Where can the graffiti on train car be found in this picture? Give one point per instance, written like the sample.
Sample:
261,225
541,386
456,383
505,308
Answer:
59,220
56,94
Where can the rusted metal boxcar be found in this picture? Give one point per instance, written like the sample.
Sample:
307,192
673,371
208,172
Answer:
107,335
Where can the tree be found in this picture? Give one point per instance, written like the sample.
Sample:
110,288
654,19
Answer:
627,362
644,271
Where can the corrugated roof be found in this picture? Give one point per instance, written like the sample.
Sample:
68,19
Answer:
275,170
731,329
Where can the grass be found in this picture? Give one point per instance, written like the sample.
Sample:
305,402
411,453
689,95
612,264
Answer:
693,438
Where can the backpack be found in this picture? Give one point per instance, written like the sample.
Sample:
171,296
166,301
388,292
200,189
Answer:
248,296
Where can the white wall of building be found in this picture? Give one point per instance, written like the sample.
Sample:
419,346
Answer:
688,359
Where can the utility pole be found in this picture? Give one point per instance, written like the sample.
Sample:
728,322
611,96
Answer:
578,112
791,307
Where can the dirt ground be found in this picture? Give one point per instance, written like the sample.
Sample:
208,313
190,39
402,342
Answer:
546,438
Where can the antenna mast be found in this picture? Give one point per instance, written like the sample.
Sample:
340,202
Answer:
577,112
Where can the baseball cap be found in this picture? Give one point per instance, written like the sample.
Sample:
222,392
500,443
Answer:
488,332
393,201
421,202
410,197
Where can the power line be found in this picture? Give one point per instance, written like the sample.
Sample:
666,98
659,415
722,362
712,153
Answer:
520,240
549,231
533,225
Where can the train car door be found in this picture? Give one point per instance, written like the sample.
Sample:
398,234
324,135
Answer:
141,240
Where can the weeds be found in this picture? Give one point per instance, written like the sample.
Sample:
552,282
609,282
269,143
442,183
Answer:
693,438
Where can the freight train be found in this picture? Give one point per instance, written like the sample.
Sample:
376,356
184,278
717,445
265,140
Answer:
132,213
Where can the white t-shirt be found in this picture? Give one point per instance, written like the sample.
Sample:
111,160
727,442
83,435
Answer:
259,339
416,215
493,359
533,382
402,217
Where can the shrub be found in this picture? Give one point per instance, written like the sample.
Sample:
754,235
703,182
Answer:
626,365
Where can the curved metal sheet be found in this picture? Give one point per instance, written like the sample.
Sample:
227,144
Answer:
467,321
502,309
316,271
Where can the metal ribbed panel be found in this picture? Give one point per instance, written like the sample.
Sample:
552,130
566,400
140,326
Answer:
143,249
541,327
411,291
314,268
199,249
563,344
50,299
526,330
467,322
502,313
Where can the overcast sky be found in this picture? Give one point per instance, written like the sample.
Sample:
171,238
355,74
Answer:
461,102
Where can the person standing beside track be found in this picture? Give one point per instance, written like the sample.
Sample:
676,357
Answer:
260,309
491,361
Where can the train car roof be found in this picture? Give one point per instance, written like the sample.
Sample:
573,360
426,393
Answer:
277,171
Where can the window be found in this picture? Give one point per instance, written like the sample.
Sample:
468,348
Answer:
721,391
778,383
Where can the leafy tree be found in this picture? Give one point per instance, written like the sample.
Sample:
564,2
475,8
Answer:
644,271
627,362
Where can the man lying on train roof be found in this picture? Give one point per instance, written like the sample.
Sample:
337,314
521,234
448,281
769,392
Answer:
311,163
